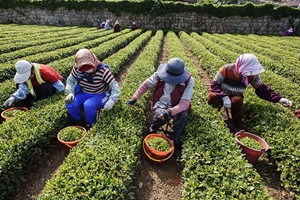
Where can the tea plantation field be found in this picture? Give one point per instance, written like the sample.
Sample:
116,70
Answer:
103,165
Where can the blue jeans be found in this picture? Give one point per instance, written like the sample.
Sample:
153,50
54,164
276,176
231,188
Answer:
90,103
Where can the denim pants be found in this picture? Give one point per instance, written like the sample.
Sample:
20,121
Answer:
90,103
179,123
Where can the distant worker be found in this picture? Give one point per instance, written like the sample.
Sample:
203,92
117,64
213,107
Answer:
288,32
117,26
106,25
134,26
102,25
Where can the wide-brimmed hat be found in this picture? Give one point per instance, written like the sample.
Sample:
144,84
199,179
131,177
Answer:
173,72
23,69
85,60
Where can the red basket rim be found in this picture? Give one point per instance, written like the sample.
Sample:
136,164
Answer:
72,142
243,134
161,136
10,109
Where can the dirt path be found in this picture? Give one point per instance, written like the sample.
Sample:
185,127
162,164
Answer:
158,181
152,181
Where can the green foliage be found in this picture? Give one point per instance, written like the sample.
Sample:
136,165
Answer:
159,144
224,48
250,142
103,166
159,7
13,113
70,134
107,158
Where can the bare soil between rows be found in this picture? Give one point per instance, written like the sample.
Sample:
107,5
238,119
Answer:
152,181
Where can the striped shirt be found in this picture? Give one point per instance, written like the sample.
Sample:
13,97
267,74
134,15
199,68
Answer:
94,83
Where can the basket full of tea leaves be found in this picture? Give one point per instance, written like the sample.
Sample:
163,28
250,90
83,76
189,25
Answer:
71,135
13,112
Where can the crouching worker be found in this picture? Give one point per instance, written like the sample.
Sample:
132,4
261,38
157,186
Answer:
228,86
90,86
173,90
34,82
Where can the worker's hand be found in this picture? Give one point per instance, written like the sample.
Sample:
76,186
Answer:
226,102
166,115
131,102
285,102
69,99
9,101
109,104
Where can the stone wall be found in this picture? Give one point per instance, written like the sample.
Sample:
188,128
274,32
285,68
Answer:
177,21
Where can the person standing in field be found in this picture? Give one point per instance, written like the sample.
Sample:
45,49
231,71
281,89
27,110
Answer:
90,86
34,82
173,90
228,86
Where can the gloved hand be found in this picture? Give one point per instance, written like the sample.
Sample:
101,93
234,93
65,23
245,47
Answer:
69,99
226,102
131,102
285,102
109,104
9,101
166,115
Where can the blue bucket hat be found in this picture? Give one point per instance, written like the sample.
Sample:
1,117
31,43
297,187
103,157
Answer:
173,72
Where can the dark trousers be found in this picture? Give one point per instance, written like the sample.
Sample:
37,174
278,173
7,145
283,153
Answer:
237,107
179,123
42,92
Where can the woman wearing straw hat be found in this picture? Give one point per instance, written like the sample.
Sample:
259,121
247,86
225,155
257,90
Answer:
34,82
173,90
90,86
231,81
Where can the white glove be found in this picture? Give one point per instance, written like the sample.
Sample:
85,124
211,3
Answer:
285,102
109,104
226,102
9,101
69,99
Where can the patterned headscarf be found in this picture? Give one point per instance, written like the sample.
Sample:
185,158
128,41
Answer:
248,65
86,61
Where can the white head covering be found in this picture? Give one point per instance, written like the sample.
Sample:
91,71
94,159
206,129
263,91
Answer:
23,73
290,30
248,65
